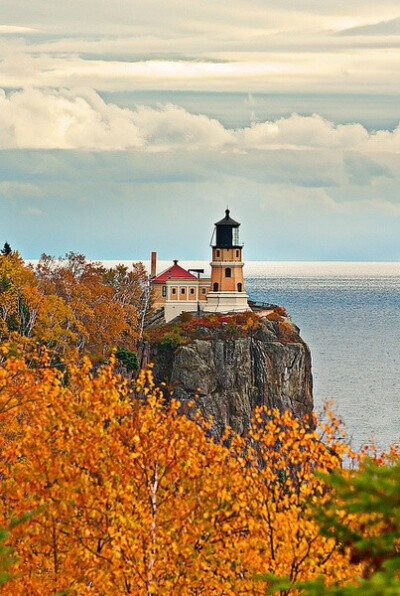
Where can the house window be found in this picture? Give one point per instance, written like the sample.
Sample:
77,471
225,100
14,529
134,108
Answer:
183,290
218,253
192,290
228,272
174,290
237,254
215,287
239,287
164,291
203,290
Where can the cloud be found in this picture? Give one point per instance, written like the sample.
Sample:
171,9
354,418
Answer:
389,27
175,17
387,207
82,120
13,29
320,182
291,198
23,69
35,211
48,119
101,15
269,68
303,132
11,189
362,170
286,46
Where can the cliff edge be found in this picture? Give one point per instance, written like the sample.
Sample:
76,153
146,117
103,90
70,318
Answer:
234,363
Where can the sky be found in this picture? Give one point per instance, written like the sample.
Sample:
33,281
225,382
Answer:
129,126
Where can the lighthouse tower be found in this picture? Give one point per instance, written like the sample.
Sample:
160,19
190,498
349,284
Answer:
227,292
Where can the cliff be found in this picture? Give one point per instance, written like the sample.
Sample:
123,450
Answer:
235,363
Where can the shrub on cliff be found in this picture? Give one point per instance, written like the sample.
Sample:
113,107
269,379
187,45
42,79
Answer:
173,338
287,332
128,359
186,317
232,325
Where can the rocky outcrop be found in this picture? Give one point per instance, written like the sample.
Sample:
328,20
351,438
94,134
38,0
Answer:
233,375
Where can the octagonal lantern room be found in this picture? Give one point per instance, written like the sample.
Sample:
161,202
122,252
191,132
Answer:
226,234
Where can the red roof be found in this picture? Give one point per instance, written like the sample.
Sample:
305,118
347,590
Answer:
173,272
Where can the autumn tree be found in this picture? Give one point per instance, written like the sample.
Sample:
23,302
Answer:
283,457
7,558
136,498
73,306
25,311
108,305
131,290
19,297
363,516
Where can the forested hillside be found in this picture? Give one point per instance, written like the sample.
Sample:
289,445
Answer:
72,306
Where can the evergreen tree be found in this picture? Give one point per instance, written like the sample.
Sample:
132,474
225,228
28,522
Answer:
5,283
128,359
6,250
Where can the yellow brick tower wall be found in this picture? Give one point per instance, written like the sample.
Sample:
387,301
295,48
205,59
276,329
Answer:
223,259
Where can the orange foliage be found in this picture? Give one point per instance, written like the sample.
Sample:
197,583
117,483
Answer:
19,299
287,332
274,316
132,497
72,304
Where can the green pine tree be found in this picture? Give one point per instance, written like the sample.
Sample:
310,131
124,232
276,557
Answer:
6,250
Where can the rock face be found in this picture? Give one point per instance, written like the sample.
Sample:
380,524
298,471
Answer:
231,376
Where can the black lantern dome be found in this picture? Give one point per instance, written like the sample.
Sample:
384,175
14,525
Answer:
226,232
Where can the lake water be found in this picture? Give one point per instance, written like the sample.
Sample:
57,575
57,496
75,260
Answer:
349,314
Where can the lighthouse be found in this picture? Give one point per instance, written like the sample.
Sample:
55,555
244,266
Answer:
227,293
